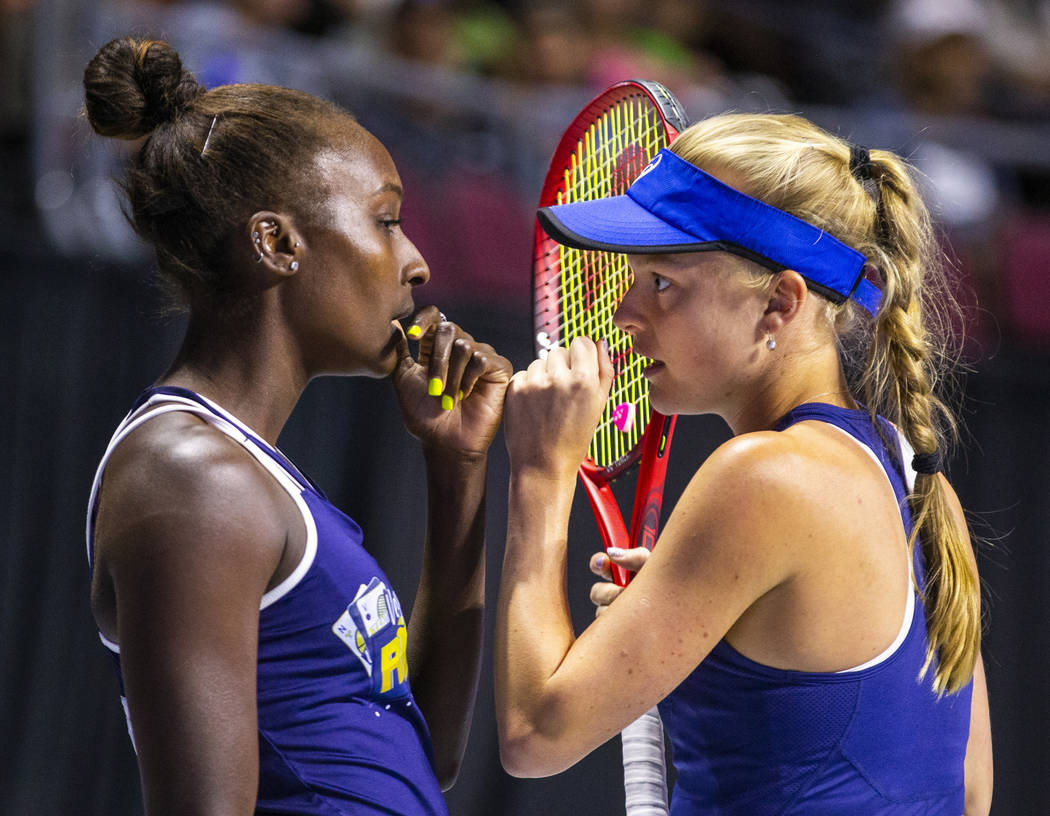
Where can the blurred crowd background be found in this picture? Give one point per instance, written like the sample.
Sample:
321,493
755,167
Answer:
470,97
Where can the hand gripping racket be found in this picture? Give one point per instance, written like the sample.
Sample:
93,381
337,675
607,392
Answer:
575,292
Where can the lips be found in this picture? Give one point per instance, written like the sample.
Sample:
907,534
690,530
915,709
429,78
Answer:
397,324
643,353
653,367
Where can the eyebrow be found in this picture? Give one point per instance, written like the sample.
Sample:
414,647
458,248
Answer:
390,187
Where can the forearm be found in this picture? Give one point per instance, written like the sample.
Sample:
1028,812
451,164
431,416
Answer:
446,627
979,749
533,627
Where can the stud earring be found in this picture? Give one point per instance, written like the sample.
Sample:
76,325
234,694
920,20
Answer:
294,265
770,342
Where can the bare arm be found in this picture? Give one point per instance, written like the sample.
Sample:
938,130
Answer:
446,626
189,537
979,749
978,766
705,572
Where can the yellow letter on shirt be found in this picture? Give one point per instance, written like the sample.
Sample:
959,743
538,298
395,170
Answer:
392,658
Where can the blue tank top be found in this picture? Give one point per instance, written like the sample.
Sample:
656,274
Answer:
753,740
339,731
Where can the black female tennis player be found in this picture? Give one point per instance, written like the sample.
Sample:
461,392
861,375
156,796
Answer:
263,653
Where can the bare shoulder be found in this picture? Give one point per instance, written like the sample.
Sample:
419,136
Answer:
757,465
806,519
177,464
764,490
181,500
739,502
808,459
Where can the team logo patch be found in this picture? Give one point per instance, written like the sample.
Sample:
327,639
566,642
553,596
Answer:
373,627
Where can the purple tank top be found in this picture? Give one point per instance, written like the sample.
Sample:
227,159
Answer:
339,731
753,740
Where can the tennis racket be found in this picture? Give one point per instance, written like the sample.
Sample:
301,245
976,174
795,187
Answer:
575,292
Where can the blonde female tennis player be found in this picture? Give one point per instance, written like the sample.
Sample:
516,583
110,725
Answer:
809,621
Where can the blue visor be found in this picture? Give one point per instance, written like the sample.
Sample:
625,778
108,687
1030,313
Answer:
674,206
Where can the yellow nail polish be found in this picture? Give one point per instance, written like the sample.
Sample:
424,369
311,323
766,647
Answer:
460,397
435,387
414,332
446,402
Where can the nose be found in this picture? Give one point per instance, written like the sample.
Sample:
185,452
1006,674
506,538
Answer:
625,318
415,272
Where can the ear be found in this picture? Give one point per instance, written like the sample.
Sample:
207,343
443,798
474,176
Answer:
275,242
786,300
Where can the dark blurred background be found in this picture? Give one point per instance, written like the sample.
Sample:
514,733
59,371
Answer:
470,97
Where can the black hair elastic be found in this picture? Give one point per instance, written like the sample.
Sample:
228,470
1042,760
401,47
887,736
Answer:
862,169
860,162
927,464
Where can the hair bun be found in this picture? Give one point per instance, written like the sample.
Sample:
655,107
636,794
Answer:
132,86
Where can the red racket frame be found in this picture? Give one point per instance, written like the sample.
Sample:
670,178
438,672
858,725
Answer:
653,447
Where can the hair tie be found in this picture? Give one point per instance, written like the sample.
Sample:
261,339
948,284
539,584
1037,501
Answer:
927,464
860,163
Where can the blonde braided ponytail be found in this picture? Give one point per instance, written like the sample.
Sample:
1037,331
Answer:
900,382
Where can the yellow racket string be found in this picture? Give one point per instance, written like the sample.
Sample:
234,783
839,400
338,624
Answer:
590,284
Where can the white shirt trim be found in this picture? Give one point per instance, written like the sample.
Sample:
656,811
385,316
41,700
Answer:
232,427
909,605
109,644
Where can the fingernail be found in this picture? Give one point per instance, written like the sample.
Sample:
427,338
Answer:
414,331
616,552
604,344
599,562
446,402
460,396
434,388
